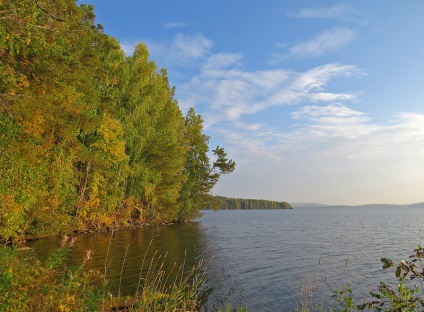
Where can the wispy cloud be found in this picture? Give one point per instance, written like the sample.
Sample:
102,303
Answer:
191,46
330,114
171,25
327,144
322,140
128,46
220,61
316,78
324,43
335,153
336,132
339,11
227,93
182,50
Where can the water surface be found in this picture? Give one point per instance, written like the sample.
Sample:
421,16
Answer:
263,258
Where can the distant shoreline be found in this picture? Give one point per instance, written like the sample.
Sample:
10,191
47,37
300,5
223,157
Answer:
225,203
318,205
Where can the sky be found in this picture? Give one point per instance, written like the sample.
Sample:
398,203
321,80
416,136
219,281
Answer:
316,101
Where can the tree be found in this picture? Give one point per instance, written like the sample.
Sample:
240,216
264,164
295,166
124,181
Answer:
88,136
57,101
155,129
201,175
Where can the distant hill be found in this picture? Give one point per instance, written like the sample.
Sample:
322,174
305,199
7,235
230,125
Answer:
317,205
416,205
308,205
225,203
372,206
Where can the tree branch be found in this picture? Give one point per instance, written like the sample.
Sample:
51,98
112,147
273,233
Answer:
48,13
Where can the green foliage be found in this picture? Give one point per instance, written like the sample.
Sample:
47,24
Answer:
180,295
342,300
192,195
201,174
155,141
240,203
26,284
90,138
50,96
408,294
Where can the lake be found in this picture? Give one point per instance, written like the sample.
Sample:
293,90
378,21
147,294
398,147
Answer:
263,258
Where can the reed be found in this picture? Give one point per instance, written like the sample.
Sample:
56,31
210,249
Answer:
141,268
27,284
107,252
122,272
316,286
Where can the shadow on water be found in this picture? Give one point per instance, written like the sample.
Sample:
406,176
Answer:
126,252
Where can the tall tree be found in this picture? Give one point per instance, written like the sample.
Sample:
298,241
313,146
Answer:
56,93
155,138
88,136
201,174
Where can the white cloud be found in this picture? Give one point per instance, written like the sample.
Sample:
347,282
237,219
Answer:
337,133
128,46
171,25
333,120
339,11
318,77
333,110
179,51
326,42
221,61
329,97
228,93
331,153
191,46
182,50
323,150
334,155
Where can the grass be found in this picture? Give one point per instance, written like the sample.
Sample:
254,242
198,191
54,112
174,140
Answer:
27,284
406,296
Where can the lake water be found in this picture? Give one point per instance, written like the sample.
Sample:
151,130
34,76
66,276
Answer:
263,258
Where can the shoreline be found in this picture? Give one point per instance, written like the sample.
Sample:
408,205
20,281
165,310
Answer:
88,229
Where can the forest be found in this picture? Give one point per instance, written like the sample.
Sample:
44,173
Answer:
91,138
225,203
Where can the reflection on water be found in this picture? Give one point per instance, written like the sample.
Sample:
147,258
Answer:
263,257
170,246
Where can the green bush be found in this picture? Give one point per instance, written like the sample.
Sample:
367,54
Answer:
408,295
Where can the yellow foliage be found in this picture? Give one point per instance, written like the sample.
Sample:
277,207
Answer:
17,81
35,125
132,205
11,216
112,138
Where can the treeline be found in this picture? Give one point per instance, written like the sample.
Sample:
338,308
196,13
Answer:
90,137
224,203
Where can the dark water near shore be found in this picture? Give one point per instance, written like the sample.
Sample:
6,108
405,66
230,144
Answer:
263,258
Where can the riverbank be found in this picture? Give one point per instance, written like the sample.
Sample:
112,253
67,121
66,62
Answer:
132,224
275,249
54,282
28,284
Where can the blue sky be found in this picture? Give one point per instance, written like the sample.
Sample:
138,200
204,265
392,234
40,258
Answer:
316,101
